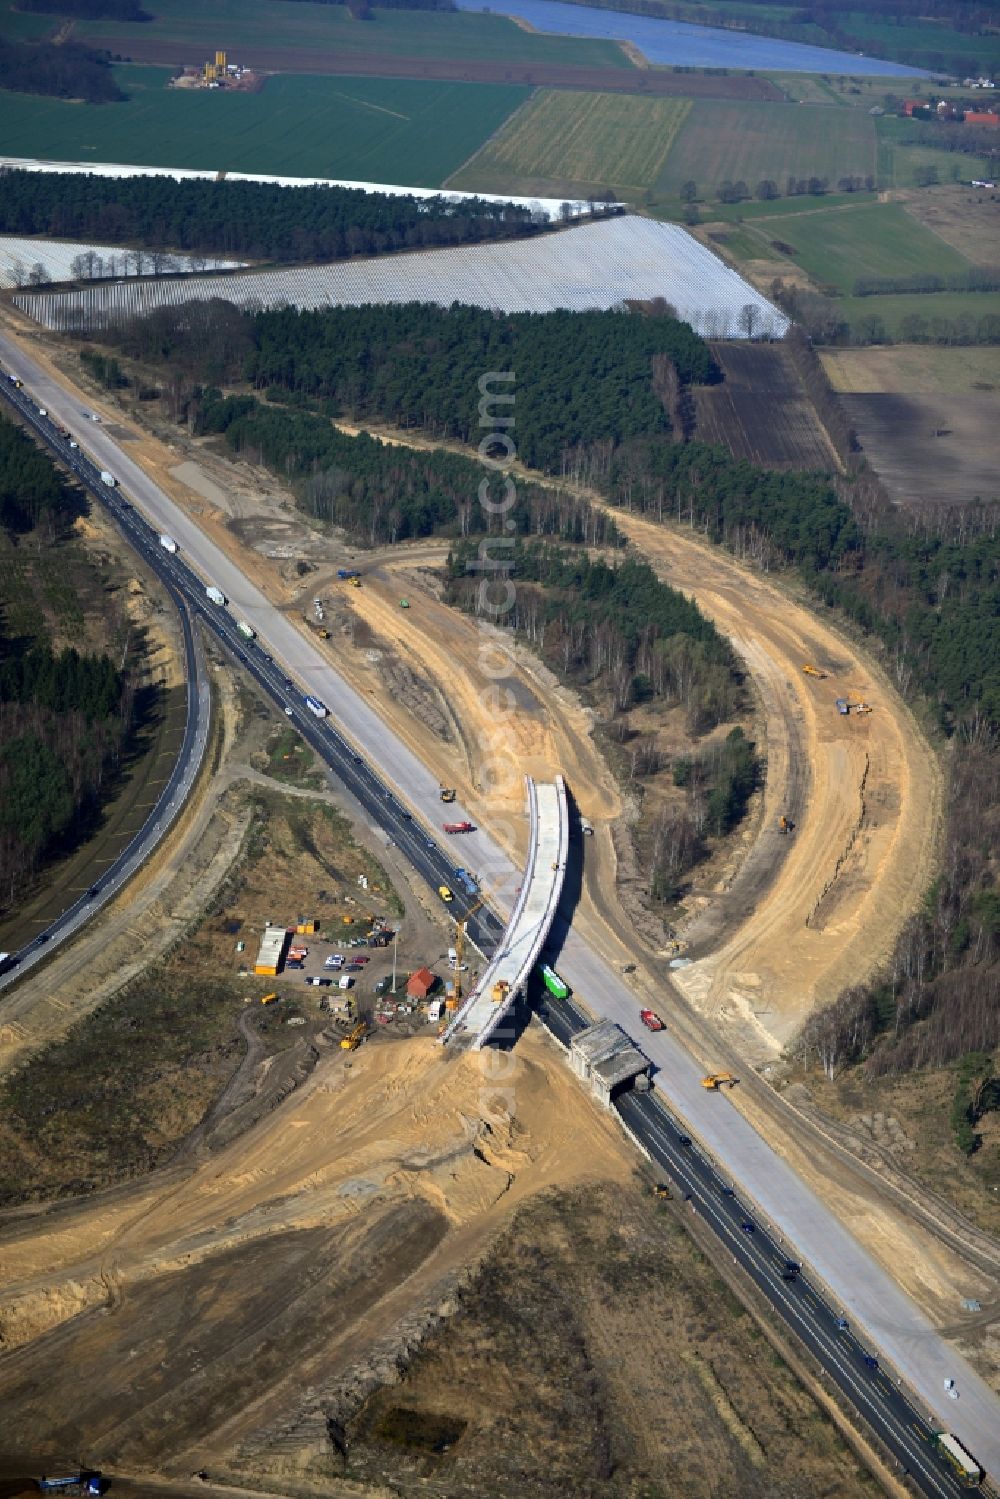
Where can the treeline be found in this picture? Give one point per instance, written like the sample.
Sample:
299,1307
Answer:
387,4
90,10
67,71
718,784
64,718
976,278
259,220
558,378
828,23
823,319
625,638
381,492
573,376
32,493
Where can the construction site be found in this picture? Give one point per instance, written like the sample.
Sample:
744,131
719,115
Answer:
219,74
359,1215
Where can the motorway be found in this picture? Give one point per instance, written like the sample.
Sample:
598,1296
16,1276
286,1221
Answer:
189,759
843,1279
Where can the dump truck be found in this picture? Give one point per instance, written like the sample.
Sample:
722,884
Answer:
245,630
84,1482
108,478
445,893
651,1020
843,706
320,630
500,991
353,1040
315,706
814,671
447,793
268,999
216,595
458,827
168,543
716,1080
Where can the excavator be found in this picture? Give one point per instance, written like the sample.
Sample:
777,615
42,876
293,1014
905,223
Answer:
447,793
716,1080
814,671
353,1040
785,824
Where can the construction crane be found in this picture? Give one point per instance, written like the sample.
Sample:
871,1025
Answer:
460,950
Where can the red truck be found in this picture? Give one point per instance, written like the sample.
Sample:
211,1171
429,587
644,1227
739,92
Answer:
458,827
651,1020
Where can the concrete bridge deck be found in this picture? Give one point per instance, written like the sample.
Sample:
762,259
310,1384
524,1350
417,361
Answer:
530,920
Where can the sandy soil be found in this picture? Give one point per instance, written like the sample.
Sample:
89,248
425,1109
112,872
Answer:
400,1151
862,851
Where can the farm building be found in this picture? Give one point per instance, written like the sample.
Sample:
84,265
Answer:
981,117
272,951
598,265
420,984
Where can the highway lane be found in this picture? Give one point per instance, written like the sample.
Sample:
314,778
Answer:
361,740
377,801
166,808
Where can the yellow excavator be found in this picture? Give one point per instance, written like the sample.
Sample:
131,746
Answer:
716,1080
447,793
354,1038
814,671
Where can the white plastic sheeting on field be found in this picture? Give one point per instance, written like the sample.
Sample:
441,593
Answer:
23,262
541,208
594,265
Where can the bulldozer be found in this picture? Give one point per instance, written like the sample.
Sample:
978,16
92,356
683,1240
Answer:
447,793
814,671
662,1190
716,1080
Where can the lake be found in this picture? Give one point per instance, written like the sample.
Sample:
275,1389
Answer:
679,44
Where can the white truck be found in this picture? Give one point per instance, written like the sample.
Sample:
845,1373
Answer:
245,630
108,478
168,543
216,595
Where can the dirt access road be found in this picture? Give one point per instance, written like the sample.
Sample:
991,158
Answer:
808,914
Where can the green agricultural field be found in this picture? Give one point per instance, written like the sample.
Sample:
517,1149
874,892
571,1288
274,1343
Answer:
742,141
901,162
894,310
25,26
280,27
836,246
363,129
926,44
579,141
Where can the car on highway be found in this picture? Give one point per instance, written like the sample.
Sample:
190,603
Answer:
842,1324
684,1139
94,890
728,1191
871,1362
445,893
42,937
289,682
288,711
747,1226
